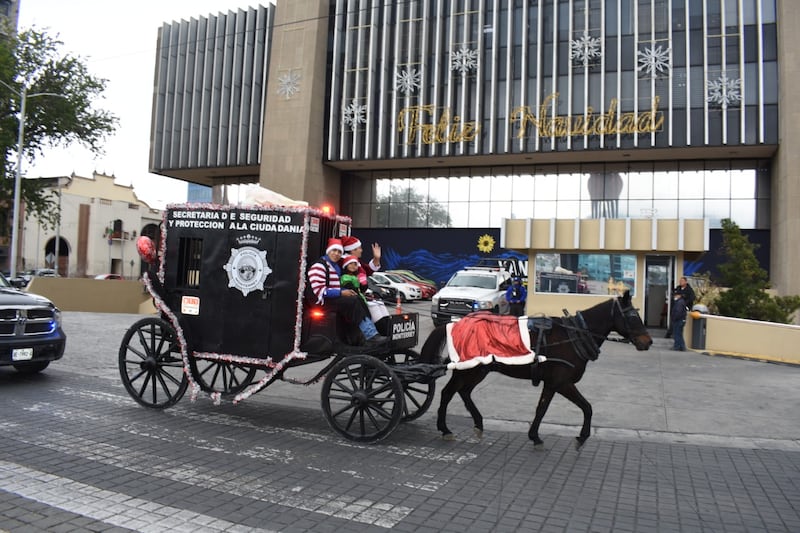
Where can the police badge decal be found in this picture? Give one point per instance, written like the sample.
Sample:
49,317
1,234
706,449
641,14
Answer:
247,269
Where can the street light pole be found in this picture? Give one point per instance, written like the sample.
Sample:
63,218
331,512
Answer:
23,99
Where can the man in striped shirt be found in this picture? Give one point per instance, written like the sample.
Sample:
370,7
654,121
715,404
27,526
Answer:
323,276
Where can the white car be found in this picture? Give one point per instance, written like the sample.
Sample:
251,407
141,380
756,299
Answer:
406,291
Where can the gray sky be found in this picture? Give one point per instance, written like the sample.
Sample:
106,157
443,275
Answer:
118,42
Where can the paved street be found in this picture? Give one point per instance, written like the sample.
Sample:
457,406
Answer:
681,442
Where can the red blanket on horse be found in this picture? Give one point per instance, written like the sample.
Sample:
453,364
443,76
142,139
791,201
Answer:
482,338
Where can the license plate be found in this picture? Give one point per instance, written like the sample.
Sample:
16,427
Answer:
22,354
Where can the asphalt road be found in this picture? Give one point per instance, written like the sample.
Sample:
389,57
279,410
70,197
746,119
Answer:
680,442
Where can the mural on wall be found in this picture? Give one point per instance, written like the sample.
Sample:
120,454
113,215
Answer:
436,253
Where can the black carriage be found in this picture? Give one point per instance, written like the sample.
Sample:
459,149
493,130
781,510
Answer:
229,283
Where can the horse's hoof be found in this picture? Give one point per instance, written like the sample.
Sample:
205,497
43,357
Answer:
538,446
579,441
478,433
448,436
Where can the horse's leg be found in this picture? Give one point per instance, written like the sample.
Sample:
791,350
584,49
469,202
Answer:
477,417
448,392
541,408
571,393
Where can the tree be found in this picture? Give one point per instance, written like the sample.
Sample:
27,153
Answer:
747,282
405,207
32,61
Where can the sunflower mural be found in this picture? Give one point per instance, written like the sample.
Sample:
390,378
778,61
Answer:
486,243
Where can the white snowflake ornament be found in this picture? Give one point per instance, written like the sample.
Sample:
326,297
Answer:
407,80
653,61
464,60
354,115
724,91
585,49
289,84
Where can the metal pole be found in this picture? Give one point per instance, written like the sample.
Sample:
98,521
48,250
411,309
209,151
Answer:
58,230
17,183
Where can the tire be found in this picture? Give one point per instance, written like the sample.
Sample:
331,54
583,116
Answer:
150,364
31,368
417,397
403,297
227,378
362,399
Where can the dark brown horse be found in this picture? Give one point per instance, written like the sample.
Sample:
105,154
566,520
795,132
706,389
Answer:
567,342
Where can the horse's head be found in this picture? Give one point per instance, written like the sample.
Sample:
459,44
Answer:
628,323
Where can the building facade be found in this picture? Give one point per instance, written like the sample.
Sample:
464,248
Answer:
470,113
100,223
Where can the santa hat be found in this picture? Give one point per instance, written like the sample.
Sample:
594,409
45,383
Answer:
349,259
350,243
334,244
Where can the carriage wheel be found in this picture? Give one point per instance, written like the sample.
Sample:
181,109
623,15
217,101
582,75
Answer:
362,398
150,363
418,396
221,376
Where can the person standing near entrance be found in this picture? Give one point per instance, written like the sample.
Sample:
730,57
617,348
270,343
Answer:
685,290
678,319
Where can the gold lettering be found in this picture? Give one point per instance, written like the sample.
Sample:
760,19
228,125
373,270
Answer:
417,120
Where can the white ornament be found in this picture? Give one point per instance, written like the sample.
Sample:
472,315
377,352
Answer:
464,60
289,84
407,80
585,49
724,91
354,114
653,60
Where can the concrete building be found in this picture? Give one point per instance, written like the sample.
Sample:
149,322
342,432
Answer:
484,112
100,221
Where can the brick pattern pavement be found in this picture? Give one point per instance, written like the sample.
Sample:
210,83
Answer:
79,455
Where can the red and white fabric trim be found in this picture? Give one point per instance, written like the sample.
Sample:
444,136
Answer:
483,338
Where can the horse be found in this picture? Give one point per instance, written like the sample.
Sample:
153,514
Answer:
568,343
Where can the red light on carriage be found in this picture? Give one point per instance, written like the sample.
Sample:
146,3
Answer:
317,314
327,209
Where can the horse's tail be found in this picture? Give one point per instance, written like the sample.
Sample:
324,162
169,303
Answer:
432,348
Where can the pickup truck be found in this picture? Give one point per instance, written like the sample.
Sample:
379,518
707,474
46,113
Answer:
471,289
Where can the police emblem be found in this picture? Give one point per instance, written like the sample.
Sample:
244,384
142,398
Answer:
247,269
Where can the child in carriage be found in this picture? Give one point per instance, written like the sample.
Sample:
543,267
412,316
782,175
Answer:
352,279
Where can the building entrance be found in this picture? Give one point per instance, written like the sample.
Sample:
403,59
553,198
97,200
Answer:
658,273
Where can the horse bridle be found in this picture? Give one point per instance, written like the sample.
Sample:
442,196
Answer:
628,313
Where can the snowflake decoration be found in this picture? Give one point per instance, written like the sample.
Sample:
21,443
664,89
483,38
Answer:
585,49
407,80
354,114
724,91
653,60
464,60
289,84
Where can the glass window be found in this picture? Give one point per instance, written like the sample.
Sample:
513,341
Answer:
743,212
459,189
500,210
544,209
546,187
437,189
523,186
479,214
690,184
569,186
502,187
717,184
585,273
480,188
640,185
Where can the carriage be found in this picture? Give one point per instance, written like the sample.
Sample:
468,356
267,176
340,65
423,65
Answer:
230,287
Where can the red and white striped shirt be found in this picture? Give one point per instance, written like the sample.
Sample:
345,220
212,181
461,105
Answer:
317,275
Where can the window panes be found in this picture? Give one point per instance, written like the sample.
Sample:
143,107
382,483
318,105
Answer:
483,197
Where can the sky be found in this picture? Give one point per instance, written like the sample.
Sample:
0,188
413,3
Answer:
117,41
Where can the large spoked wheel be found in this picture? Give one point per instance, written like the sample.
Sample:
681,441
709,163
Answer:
418,396
150,364
220,376
362,398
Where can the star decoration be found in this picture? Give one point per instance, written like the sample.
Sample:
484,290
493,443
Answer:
724,91
585,49
354,114
407,80
653,60
464,60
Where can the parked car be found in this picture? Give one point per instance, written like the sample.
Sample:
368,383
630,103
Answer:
405,290
384,292
427,290
416,277
108,276
30,330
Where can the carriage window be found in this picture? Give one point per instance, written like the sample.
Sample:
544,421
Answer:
585,273
190,251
